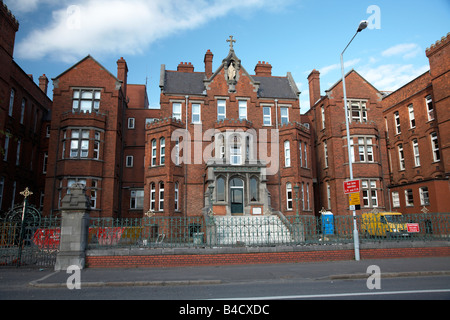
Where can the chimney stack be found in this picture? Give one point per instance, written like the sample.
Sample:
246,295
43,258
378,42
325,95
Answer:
263,69
208,63
314,87
43,83
122,74
185,67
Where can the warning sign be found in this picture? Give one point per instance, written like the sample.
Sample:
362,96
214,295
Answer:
354,199
351,186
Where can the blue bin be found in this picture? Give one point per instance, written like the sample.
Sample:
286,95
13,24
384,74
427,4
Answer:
327,223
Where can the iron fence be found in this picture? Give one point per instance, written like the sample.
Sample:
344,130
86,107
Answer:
219,231
33,243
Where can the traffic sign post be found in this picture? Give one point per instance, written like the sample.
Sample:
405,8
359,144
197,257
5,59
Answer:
351,186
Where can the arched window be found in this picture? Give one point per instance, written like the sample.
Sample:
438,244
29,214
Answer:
289,196
235,151
152,197
287,154
162,151
176,196
220,189
153,152
254,192
161,196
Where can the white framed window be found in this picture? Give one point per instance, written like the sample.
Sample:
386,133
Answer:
395,199
137,199
300,153
322,111
325,153
86,100
221,109
307,197
196,113
176,205
97,136
369,191
430,108
44,167
94,193
306,155
19,144
161,196
424,197
365,149
328,196
242,109
409,198
153,152
267,116
412,119
289,196
397,122
152,197
401,157
415,145
22,110
13,194
177,152
287,153
11,103
303,195
284,113
129,161
176,110
236,151
357,111
162,151
131,123
435,147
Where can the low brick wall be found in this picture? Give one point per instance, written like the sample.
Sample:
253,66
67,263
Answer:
183,257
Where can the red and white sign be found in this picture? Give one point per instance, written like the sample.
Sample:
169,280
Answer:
413,227
351,186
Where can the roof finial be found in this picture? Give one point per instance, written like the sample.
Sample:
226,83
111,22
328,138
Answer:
231,41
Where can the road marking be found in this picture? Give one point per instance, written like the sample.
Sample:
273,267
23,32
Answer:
336,295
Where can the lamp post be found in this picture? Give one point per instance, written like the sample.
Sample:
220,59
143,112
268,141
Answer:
362,25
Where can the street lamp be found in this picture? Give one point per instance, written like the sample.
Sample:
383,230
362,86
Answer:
362,25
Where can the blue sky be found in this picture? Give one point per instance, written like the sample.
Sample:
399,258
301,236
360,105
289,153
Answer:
294,36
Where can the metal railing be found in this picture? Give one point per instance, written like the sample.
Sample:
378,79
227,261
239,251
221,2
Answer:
35,242
216,231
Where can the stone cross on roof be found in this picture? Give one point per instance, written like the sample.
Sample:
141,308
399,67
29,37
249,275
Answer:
231,41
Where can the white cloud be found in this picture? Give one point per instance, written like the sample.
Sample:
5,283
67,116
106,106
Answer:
406,50
390,77
347,64
119,26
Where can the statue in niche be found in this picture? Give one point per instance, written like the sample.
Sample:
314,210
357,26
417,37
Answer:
231,71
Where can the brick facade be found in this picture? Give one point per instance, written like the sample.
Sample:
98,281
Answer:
417,117
199,162
237,133
24,117
367,135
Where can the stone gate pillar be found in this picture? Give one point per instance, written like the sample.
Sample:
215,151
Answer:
75,208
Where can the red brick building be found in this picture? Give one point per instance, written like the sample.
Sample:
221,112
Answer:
238,135
24,118
417,117
368,143
93,135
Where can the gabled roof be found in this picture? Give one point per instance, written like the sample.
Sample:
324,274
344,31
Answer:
193,83
81,61
348,73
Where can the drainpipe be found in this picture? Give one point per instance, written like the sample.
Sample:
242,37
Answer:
279,167
185,164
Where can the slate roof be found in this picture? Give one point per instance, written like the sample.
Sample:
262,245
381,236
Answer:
191,83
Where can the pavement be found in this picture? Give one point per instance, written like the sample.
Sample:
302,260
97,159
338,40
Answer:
214,275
